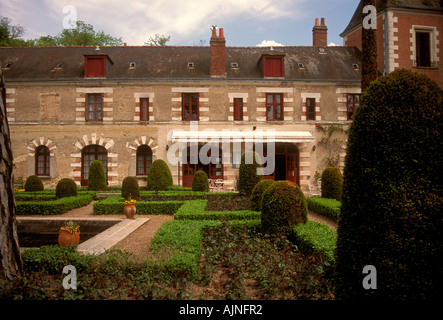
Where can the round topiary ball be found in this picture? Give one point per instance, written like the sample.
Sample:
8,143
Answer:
257,194
34,183
66,188
283,206
159,176
200,181
130,188
331,183
97,176
249,172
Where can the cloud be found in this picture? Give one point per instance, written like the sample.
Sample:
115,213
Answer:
270,43
135,21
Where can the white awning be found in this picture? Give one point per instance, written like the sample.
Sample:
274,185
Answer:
240,136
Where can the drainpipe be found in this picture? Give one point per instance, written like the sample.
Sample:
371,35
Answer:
386,41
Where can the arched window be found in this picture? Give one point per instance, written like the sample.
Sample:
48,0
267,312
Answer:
89,154
144,160
42,161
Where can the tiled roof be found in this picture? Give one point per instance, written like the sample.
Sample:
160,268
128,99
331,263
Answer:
171,63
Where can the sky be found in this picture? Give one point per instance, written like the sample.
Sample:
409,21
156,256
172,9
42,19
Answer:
246,23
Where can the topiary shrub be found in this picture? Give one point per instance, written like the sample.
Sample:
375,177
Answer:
248,175
97,176
283,206
391,214
331,183
34,183
66,188
200,181
159,176
257,194
130,188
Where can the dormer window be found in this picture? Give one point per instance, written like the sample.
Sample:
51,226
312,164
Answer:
95,66
273,66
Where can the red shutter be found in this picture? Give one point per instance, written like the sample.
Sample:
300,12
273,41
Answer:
144,109
273,67
238,109
95,67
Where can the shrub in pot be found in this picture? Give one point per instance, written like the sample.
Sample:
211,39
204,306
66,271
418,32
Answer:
130,188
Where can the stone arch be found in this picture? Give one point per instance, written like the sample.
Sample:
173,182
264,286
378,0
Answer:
94,139
32,146
141,141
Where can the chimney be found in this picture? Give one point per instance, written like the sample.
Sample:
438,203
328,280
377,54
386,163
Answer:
218,54
320,34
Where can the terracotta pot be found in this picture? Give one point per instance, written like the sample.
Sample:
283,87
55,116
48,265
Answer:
66,238
129,211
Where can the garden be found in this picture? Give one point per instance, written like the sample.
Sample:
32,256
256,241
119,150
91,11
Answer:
216,247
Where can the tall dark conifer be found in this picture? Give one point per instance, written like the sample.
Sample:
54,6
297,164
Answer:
369,49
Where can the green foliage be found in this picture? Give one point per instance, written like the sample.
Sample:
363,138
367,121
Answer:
52,207
115,205
66,188
392,193
250,172
158,40
52,259
195,210
331,183
326,207
283,206
314,237
257,194
97,176
34,183
159,176
200,181
130,188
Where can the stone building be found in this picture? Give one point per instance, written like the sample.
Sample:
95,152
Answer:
408,35
127,106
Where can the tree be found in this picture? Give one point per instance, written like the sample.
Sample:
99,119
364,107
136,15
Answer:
391,215
369,51
158,40
10,262
85,35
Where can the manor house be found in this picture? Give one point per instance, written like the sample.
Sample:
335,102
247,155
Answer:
127,106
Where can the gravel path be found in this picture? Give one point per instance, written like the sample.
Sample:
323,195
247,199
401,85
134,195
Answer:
140,240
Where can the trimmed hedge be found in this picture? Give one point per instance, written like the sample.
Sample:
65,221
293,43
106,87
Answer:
115,205
66,187
200,181
159,176
248,176
52,207
97,176
331,183
130,188
391,214
329,208
195,210
314,237
34,183
257,194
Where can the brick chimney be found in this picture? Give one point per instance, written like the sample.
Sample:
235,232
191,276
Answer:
218,54
320,34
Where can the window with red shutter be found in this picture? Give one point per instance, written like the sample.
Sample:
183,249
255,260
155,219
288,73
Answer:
95,67
144,109
273,67
238,109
